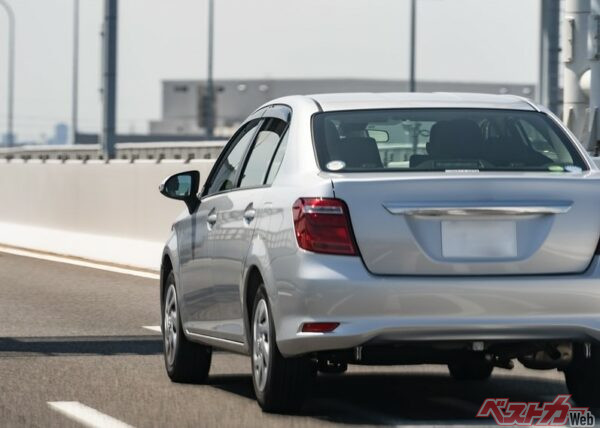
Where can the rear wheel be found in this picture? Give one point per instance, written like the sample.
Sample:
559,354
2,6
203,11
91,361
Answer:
280,383
583,376
471,370
185,361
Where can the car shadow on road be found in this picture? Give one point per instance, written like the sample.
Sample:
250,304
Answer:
80,345
395,398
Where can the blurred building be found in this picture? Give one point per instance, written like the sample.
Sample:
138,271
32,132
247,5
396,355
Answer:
235,99
5,139
61,135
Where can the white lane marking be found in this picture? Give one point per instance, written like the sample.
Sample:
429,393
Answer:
86,415
93,265
155,328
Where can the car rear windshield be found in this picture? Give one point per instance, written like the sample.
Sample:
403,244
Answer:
442,140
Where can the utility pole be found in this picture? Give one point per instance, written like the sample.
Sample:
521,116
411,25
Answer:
575,57
413,48
75,76
209,104
10,133
548,86
109,79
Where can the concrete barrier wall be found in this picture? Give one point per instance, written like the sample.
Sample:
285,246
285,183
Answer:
110,212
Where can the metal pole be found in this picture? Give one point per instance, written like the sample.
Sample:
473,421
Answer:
548,87
75,94
210,85
575,56
109,79
10,134
594,93
413,48
542,55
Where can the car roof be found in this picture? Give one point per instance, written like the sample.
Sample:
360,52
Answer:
366,101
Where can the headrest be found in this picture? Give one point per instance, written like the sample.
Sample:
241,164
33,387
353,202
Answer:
359,152
350,129
460,138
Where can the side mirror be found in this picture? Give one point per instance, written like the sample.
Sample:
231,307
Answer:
182,187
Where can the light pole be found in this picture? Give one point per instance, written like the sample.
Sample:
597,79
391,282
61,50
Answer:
548,86
75,77
10,136
209,105
413,48
109,79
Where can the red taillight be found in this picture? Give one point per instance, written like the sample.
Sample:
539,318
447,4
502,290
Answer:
323,226
319,327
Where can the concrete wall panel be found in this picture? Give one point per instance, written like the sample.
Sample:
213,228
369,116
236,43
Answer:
117,203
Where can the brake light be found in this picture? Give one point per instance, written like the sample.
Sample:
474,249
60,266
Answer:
323,226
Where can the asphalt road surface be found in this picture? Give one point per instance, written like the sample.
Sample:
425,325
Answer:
75,334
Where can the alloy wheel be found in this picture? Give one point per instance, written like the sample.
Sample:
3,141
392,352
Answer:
261,348
171,324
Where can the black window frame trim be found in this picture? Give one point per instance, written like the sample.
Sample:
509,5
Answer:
278,111
555,122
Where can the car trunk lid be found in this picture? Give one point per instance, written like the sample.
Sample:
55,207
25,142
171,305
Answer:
473,224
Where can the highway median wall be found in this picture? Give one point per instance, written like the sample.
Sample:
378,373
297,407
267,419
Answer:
106,212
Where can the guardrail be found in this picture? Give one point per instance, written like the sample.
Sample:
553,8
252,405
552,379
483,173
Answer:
132,152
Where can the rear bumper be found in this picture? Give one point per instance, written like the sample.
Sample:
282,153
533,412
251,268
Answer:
375,309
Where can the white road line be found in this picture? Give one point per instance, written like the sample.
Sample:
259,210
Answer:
67,260
155,328
86,415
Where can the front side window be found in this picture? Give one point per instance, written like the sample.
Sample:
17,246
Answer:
442,140
225,175
265,145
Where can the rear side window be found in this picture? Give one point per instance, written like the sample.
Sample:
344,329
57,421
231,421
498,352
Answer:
442,140
277,159
263,150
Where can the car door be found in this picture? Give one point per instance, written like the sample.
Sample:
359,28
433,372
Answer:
236,214
199,298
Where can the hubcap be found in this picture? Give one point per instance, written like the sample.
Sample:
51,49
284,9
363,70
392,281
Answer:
170,328
261,344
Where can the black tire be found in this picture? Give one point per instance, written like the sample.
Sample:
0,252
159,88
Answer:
583,377
190,362
287,379
471,370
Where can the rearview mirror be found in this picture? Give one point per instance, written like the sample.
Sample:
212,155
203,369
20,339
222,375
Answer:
182,187
379,136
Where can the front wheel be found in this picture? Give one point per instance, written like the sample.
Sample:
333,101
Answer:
280,383
185,361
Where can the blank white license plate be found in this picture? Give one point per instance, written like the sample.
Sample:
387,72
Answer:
479,239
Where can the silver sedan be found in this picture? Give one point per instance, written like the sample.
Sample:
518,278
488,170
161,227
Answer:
455,229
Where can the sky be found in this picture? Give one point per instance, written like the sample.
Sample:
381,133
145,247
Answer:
457,40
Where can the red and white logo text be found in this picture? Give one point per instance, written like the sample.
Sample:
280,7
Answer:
559,412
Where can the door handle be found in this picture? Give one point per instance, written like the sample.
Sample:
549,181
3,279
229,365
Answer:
249,215
211,219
